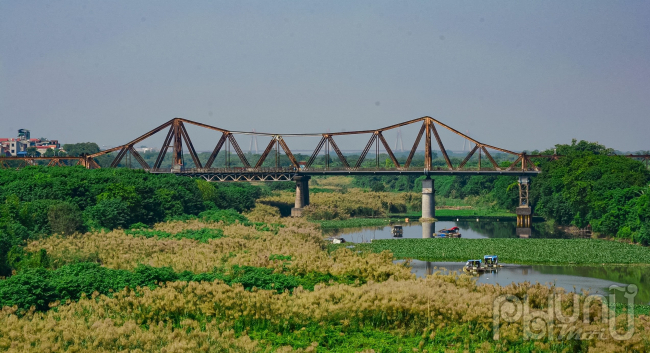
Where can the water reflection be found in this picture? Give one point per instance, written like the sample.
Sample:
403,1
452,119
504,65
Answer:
594,279
468,229
428,229
524,232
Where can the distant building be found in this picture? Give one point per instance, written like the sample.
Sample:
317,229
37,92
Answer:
43,148
23,134
18,146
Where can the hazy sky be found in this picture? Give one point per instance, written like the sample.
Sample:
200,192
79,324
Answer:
516,74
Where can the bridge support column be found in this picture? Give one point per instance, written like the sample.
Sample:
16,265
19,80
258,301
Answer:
302,194
428,199
524,212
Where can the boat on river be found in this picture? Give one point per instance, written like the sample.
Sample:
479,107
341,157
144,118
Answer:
397,231
453,232
491,261
335,240
473,266
476,266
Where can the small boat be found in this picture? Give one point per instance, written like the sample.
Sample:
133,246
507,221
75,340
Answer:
473,266
397,231
491,261
453,232
335,240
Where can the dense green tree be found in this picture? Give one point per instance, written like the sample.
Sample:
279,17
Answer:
378,187
64,218
33,151
109,213
588,186
77,149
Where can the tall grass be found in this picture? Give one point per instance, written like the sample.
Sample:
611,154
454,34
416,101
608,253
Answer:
206,315
354,203
386,309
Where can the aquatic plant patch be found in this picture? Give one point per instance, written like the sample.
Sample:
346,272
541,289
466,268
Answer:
521,251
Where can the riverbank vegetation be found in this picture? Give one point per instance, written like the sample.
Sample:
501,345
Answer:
588,187
344,204
355,223
352,203
272,288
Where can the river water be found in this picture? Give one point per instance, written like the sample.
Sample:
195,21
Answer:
594,279
469,229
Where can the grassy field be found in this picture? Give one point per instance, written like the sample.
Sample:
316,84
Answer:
520,251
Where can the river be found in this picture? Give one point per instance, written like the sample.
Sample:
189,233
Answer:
594,279
469,229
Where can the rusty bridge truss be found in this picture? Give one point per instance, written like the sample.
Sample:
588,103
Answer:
178,136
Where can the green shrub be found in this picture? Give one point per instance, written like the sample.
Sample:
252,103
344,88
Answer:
139,225
201,235
64,218
110,213
229,216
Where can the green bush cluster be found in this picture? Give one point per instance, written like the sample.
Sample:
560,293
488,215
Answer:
201,235
39,287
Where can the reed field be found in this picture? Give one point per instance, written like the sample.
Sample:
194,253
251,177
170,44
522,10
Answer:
259,283
353,203
356,207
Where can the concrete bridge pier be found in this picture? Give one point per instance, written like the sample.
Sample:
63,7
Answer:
428,199
524,212
302,194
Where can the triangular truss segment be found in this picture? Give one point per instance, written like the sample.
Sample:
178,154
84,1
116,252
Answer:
277,142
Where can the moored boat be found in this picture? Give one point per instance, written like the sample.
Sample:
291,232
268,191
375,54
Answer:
453,232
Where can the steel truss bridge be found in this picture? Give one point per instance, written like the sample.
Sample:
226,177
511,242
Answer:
178,139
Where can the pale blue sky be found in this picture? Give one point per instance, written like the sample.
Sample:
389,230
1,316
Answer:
519,75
